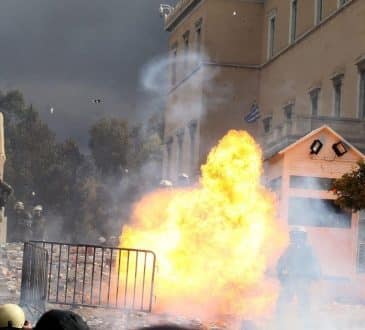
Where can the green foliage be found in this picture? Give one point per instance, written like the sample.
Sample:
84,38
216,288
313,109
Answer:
88,196
108,144
146,143
30,147
350,189
40,170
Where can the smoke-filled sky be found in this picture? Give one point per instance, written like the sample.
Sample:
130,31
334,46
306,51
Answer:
62,54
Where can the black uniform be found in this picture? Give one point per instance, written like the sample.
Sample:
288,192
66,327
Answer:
39,227
297,269
23,226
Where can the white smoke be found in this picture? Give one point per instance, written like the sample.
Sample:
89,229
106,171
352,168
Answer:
195,81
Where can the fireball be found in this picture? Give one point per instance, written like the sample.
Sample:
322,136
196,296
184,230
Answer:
215,243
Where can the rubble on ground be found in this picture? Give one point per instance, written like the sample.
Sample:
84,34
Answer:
328,317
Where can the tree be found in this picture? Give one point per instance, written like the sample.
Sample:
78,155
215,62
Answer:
30,148
108,144
63,176
41,170
350,189
146,144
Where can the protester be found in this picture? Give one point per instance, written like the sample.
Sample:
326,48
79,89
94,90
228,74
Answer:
61,320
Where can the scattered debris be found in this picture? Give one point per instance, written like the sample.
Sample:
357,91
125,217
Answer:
331,316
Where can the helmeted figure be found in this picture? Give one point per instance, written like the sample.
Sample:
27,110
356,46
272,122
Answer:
102,240
297,268
165,184
183,180
113,241
39,224
23,223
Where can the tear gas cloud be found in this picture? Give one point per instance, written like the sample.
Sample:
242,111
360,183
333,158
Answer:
184,99
329,230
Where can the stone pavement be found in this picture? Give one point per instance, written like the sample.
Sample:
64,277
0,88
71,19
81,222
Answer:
330,316
11,258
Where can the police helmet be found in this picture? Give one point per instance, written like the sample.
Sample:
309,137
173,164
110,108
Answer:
165,184
19,206
183,179
101,240
113,240
298,234
38,208
11,316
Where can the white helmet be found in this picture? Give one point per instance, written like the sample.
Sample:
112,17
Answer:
102,240
19,205
38,208
183,179
165,184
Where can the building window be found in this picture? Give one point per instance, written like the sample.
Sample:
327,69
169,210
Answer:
293,20
198,30
288,111
341,3
271,36
362,94
310,182
317,213
318,11
267,124
337,89
314,96
169,157
186,48
180,140
192,130
173,66
198,40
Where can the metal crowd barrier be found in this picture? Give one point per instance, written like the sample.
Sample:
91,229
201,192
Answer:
33,293
96,276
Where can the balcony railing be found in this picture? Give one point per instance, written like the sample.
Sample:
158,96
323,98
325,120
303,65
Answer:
353,130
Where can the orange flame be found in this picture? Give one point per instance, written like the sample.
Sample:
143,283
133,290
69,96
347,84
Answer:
215,242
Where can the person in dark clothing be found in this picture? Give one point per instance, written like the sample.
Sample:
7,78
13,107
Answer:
39,224
297,268
183,180
61,320
23,224
5,191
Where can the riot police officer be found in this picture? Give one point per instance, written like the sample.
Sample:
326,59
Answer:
39,223
183,180
23,223
165,184
297,268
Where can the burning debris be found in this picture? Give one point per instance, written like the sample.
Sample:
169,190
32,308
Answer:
214,243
